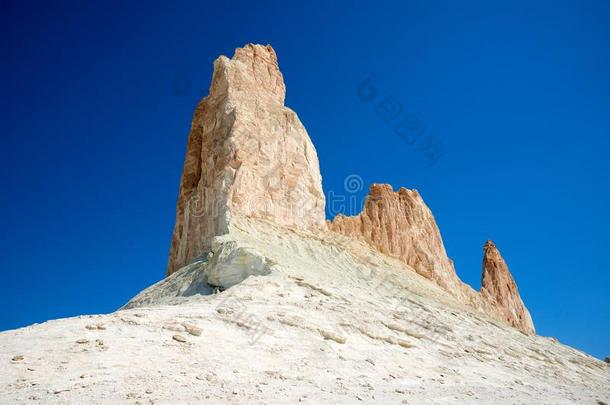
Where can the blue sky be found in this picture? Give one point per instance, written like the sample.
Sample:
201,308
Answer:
97,101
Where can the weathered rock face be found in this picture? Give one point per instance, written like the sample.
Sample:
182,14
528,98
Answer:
499,287
247,155
400,224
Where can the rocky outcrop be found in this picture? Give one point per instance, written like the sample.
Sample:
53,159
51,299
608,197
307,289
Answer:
400,225
247,154
499,287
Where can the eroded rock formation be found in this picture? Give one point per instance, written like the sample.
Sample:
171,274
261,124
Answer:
400,224
499,287
247,154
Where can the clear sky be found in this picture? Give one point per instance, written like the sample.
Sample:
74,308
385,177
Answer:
97,101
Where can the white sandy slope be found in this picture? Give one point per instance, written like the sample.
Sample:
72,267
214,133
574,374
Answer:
315,320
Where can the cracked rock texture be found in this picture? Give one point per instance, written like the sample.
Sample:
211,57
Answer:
247,154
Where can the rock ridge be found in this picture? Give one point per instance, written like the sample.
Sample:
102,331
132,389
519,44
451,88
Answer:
400,224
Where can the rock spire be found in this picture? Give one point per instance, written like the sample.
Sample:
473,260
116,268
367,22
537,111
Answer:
247,154
499,287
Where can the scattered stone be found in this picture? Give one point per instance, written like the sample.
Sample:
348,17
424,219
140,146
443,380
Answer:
149,391
192,329
17,358
404,343
329,335
370,361
174,327
179,338
91,327
82,341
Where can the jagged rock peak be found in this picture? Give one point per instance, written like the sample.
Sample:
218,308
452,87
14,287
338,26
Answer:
247,155
499,287
256,73
400,224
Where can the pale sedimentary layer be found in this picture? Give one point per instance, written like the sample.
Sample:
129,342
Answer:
334,321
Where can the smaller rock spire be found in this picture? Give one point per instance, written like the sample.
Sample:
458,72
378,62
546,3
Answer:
499,287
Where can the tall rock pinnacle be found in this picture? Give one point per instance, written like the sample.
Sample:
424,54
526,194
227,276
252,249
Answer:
247,154
499,287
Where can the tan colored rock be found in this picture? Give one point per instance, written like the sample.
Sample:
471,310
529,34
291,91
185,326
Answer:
247,155
499,287
400,225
